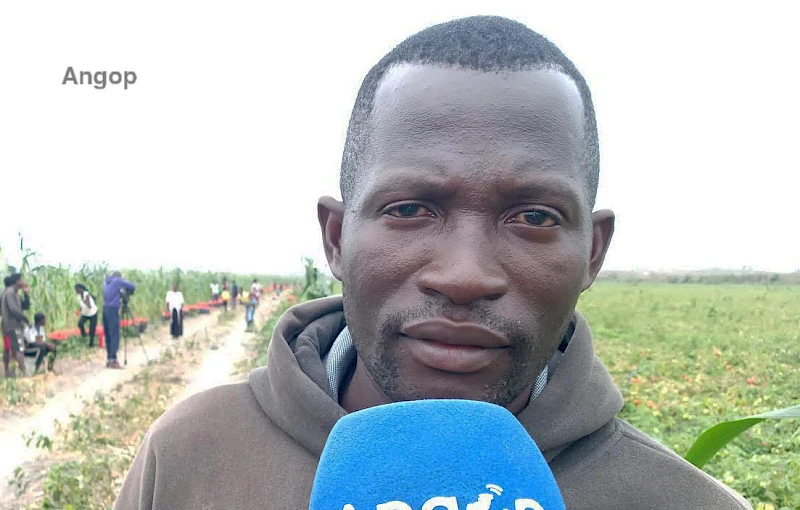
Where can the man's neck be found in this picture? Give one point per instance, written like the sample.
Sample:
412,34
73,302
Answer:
362,392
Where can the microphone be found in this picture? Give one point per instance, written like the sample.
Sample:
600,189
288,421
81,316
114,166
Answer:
433,455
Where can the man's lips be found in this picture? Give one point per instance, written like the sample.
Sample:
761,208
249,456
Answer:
454,347
465,334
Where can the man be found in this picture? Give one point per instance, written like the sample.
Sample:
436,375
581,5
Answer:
14,322
234,295
464,239
251,302
253,299
111,303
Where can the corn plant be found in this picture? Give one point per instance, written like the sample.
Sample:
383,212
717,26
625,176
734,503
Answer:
52,287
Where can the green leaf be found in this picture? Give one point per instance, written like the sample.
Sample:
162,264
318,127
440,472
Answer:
715,438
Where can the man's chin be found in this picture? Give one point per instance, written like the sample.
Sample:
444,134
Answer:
457,393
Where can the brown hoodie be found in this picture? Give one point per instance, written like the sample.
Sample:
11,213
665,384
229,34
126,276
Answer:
256,444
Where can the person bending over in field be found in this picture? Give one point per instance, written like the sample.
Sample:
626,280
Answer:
88,312
466,233
36,340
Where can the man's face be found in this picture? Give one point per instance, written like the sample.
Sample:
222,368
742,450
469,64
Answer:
469,237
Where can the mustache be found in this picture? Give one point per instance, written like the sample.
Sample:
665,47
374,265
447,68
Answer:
477,313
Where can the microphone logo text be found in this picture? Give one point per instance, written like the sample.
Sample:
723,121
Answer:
484,502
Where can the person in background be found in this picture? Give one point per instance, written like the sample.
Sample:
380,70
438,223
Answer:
234,294
88,312
250,310
111,303
175,311
25,302
226,295
214,291
252,301
6,338
13,323
36,341
255,290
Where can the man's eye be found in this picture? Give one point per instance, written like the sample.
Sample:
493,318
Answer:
537,218
409,211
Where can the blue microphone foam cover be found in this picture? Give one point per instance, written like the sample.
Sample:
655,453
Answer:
433,455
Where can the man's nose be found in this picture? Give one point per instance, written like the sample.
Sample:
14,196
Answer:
464,268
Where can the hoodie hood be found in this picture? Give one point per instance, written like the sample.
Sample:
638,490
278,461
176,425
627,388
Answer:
293,388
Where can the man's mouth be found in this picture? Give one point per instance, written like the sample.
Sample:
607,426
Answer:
458,347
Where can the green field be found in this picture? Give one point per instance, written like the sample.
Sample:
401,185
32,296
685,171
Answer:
689,356
686,357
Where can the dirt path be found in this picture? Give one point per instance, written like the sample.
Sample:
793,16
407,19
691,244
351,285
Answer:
218,364
88,378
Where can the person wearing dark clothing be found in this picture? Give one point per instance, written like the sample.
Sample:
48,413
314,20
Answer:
111,303
25,302
234,295
88,312
14,321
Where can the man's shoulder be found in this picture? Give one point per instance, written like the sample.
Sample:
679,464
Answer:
629,469
701,482
217,419
206,411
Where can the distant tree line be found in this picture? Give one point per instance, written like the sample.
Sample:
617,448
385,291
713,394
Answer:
710,277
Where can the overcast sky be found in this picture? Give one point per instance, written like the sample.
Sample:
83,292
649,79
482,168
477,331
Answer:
242,102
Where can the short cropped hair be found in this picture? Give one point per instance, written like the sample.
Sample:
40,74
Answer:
483,43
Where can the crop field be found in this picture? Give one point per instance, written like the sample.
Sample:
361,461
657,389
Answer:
685,355
689,356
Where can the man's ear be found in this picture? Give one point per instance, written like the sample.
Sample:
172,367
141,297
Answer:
331,216
602,231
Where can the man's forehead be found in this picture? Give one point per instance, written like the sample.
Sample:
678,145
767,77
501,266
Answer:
546,95
444,117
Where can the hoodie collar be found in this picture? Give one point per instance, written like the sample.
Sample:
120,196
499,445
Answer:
294,391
